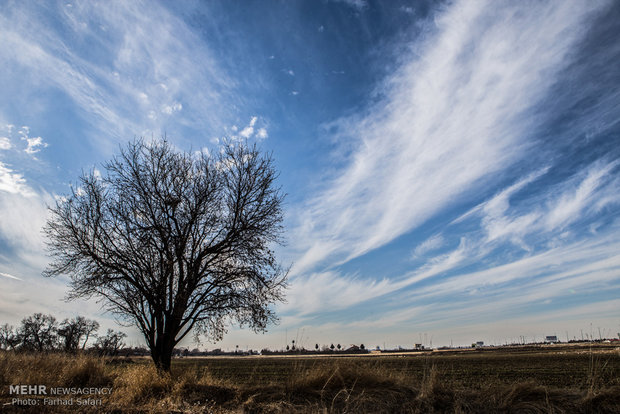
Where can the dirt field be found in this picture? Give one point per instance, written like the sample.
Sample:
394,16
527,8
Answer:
554,366
554,379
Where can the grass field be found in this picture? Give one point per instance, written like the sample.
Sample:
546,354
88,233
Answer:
553,379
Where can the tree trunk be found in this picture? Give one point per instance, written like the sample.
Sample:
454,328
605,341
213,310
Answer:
162,360
162,353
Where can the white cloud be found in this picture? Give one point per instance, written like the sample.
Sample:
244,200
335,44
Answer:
430,244
329,291
357,4
247,132
262,133
34,145
5,143
453,117
441,264
21,221
24,131
136,74
9,276
170,109
13,183
549,212
570,205
581,263
250,131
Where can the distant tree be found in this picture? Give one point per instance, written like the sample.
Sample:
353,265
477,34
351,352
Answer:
90,327
174,242
39,333
316,347
110,343
72,331
9,337
362,347
293,347
287,348
332,347
338,346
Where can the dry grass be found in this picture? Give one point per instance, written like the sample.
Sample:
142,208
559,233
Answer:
53,370
325,386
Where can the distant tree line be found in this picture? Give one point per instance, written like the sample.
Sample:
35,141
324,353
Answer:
43,333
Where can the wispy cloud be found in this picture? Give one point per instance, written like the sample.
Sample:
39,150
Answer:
9,276
357,4
456,115
143,65
572,203
5,143
429,245
329,291
575,199
23,216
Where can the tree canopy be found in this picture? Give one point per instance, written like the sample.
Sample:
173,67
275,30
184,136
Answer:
174,242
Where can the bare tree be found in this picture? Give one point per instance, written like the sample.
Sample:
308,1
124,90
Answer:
71,332
89,327
110,343
39,332
9,338
174,242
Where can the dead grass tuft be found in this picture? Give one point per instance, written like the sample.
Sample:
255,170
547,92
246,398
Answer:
140,384
322,386
53,370
331,389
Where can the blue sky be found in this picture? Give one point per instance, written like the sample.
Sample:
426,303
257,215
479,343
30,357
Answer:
452,168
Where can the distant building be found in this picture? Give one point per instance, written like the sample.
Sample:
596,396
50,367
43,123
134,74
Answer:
479,344
418,346
551,339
